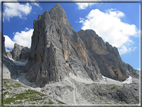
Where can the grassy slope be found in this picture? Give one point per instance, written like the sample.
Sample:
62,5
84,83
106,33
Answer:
15,93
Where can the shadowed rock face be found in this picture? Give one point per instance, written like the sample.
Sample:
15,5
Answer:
70,61
19,53
10,68
107,56
57,50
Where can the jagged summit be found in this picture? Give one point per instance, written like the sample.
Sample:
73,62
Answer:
73,67
57,51
56,14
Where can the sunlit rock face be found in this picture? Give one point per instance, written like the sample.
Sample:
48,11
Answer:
11,67
57,50
67,66
19,53
106,56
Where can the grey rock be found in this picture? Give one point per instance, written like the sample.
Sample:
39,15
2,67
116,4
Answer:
130,70
68,65
93,42
107,57
127,95
3,45
10,68
57,50
114,51
19,53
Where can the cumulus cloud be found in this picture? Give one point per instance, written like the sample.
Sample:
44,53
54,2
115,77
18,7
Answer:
8,42
109,26
139,69
36,4
22,38
84,5
126,48
16,10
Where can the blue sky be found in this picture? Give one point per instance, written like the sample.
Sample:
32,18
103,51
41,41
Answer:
117,23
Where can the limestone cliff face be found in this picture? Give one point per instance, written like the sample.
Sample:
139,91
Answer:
107,56
18,53
57,50
71,61
93,42
11,68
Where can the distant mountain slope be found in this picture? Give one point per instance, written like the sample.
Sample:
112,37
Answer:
107,57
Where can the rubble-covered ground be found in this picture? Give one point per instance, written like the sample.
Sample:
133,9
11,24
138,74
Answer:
16,93
71,91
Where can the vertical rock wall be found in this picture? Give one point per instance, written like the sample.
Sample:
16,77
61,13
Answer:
57,50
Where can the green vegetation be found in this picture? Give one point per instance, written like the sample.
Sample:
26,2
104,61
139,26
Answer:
59,102
112,87
27,96
8,83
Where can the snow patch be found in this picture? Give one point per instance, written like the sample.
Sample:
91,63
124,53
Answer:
128,80
19,62
105,79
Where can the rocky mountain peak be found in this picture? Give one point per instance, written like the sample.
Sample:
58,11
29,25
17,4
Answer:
58,14
106,56
58,51
19,53
73,67
113,50
93,42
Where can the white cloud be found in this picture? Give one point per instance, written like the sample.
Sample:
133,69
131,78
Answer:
139,69
115,13
124,49
22,38
16,10
84,5
36,4
109,26
8,42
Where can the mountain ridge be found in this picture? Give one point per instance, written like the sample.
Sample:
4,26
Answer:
53,31
62,62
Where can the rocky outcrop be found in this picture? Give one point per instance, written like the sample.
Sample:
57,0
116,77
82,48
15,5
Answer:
84,92
127,94
67,67
11,68
18,94
107,56
57,50
3,46
19,53
93,42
